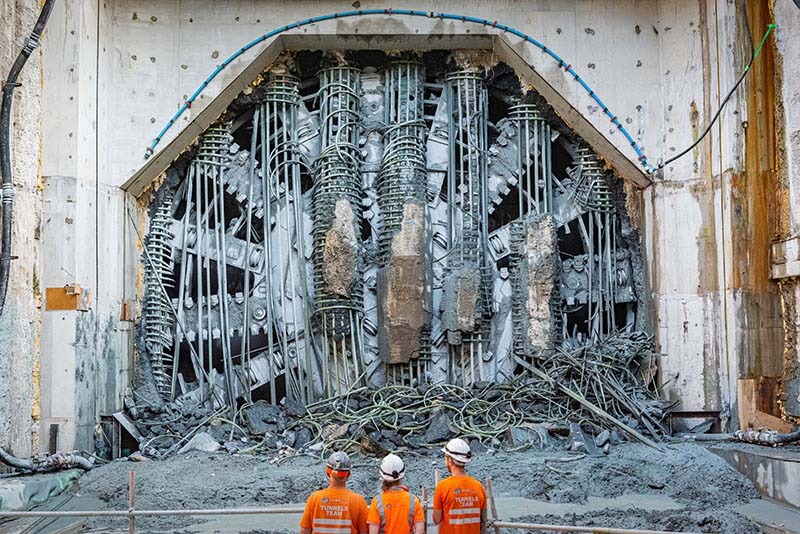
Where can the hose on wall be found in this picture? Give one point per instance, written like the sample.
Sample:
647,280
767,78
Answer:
5,149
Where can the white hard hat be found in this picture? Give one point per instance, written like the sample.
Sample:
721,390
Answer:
392,468
339,462
458,451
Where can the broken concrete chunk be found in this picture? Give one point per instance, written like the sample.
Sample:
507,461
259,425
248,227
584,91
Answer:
270,440
477,447
524,437
202,442
262,417
302,437
460,300
371,446
235,446
602,438
438,429
340,253
579,441
294,408
333,432
219,432
542,263
403,300
288,439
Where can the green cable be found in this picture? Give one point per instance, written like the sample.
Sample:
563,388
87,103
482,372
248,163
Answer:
770,27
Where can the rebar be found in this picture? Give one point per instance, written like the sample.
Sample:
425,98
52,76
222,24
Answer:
402,179
403,172
157,319
285,279
209,162
338,305
593,193
467,216
534,162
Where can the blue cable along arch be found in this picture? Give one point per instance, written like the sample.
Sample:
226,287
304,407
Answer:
411,13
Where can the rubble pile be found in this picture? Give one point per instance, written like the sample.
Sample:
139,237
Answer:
605,389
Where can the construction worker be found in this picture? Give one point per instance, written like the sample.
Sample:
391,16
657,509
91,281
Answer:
395,510
335,509
459,502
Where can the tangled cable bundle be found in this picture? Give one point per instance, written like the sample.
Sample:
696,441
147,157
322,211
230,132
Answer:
605,385
600,386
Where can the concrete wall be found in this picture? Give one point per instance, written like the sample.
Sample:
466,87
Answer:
86,236
164,50
709,222
20,323
662,67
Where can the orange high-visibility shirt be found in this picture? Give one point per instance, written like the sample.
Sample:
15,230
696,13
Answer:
335,511
461,498
391,510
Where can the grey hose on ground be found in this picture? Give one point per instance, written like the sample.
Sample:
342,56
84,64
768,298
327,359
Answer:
15,462
54,462
767,437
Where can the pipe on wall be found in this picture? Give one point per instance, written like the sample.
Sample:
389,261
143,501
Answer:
31,43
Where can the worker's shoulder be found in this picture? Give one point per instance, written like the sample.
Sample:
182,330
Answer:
477,484
464,481
354,495
316,495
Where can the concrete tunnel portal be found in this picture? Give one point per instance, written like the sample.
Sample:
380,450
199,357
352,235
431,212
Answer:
358,218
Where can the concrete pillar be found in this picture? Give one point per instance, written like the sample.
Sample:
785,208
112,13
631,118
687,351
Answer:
85,232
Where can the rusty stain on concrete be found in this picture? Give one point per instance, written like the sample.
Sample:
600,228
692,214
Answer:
754,219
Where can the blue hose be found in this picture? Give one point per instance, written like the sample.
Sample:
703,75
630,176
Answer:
412,13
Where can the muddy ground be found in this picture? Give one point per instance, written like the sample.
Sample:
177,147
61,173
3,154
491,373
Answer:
685,489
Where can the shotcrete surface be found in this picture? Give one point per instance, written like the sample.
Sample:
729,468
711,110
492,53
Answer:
687,488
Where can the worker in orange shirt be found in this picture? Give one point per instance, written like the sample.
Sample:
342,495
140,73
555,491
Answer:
395,510
459,501
335,509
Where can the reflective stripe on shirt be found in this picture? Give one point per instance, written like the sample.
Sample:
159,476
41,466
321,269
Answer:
345,522
465,511
464,520
332,530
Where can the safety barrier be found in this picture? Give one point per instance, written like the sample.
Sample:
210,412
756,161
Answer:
131,514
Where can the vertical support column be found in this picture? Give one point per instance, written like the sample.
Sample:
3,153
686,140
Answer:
157,316
338,288
284,237
404,308
206,171
467,300
593,193
533,262
535,185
